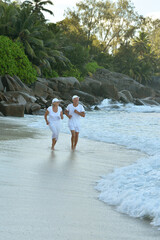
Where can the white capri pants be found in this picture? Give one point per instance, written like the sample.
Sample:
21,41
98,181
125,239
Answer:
55,128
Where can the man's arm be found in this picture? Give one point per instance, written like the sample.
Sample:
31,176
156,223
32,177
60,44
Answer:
82,114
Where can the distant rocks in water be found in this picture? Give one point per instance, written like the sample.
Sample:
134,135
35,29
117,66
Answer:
138,102
149,101
157,99
96,108
125,96
17,99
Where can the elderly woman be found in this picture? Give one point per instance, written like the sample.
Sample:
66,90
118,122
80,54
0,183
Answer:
53,115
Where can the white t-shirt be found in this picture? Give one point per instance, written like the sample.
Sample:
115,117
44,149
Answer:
52,116
75,119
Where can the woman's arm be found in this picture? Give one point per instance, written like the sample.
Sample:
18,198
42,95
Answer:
67,114
61,114
45,116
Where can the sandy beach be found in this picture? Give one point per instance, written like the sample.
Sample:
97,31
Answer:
48,195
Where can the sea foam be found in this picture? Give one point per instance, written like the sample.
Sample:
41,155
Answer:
135,189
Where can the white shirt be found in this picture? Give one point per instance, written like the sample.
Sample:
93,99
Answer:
75,117
54,116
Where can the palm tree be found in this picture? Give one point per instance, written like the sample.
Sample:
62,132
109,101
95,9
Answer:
147,58
142,43
40,42
50,54
38,5
8,18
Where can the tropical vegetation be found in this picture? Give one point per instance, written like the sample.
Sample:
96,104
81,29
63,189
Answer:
96,34
14,60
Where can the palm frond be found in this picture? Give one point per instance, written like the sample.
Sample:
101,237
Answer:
29,50
42,54
52,60
55,53
24,34
45,3
46,63
36,41
38,69
2,11
29,21
46,10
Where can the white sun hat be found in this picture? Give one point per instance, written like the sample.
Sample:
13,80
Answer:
55,100
75,96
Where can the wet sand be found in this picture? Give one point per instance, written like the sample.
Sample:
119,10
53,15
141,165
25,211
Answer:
48,195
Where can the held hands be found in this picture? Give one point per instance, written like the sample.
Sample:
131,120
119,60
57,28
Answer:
67,114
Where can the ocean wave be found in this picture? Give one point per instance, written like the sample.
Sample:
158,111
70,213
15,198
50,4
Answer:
135,189
108,104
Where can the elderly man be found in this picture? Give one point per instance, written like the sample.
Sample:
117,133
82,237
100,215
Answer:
74,111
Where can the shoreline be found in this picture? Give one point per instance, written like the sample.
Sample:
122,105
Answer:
35,132
50,194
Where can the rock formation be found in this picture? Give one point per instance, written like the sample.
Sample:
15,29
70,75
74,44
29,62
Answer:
17,99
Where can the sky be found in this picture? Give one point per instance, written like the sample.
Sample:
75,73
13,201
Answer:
143,7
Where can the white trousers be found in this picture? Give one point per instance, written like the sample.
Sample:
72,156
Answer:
55,128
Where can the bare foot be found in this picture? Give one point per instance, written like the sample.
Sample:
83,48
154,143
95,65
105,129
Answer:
52,148
73,148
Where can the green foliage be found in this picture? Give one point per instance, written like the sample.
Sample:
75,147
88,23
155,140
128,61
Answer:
96,33
38,5
112,21
152,28
73,72
91,67
137,60
49,73
13,61
78,55
146,57
73,32
40,39
126,61
104,59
